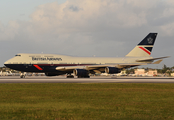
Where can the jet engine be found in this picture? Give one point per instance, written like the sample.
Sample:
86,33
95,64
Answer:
112,70
81,72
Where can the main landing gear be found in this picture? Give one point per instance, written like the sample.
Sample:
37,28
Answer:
69,76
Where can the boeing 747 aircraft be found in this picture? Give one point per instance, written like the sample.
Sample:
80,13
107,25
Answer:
53,65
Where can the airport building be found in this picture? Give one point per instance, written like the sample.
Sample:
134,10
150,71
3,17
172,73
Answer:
143,72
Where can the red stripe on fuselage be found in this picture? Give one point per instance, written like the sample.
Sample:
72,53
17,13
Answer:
145,50
39,68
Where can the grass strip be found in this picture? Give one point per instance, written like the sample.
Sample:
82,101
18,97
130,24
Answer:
72,101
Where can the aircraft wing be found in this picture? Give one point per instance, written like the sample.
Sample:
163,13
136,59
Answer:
95,67
120,66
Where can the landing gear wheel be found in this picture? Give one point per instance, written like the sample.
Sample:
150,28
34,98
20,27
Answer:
70,76
22,76
87,77
83,76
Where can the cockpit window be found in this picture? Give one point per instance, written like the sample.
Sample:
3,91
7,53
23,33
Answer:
17,55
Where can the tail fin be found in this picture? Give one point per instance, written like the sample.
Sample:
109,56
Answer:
144,48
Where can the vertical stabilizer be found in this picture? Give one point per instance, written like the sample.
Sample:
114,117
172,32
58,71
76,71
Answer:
144,48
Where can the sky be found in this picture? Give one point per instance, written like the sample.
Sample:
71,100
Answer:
101,28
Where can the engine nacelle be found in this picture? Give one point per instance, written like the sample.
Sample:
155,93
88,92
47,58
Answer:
112,70
51,74
81,72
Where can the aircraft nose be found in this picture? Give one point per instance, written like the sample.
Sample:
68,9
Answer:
6,63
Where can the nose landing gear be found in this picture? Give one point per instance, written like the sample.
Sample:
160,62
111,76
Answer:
22,75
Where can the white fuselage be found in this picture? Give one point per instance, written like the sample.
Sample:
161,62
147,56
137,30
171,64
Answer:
62,59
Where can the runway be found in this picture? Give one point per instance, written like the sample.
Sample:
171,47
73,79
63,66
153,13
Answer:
100,79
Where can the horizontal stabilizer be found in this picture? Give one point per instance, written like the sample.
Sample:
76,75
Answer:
151,59
158,62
